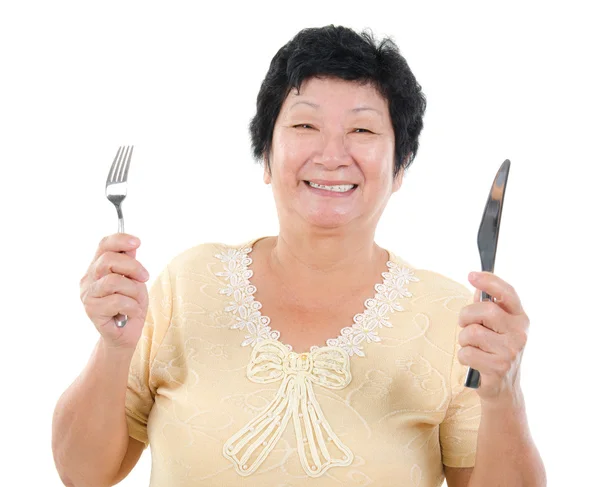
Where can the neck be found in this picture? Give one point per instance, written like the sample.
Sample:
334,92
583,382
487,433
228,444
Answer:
325,260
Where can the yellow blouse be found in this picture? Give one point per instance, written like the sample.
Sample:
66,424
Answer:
223,402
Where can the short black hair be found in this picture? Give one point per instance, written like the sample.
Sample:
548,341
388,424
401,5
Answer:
336,51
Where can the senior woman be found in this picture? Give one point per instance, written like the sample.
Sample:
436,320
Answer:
314,357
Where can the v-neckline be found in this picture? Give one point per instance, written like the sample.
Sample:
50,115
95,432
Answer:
363,329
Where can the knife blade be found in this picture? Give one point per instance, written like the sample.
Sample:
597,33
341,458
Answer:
487,242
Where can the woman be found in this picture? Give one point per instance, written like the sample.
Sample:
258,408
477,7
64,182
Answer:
314,357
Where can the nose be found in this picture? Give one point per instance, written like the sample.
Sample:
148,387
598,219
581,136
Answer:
332,151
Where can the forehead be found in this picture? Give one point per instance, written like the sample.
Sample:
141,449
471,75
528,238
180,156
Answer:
321,93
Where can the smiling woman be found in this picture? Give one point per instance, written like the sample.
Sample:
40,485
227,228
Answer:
332,157
312,357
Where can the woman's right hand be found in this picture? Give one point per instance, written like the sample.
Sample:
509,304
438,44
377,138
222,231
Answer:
115,283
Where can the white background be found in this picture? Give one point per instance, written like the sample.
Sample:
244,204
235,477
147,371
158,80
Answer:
179,81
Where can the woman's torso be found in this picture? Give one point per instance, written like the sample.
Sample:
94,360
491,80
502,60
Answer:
380,427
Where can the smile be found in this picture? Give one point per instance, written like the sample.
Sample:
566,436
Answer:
341,189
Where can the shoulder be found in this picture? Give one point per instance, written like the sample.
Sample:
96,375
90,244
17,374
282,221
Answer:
205,255
433,302
437,283
430,288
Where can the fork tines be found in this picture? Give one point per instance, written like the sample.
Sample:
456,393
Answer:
120,166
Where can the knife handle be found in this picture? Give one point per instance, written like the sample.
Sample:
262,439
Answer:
473,379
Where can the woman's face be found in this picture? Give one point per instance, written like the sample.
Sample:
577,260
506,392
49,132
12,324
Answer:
333,133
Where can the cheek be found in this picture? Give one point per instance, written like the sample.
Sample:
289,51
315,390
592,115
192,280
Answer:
291,152
375,158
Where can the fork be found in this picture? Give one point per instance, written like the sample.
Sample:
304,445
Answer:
116,191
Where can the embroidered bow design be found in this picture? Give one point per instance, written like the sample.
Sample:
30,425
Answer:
319,448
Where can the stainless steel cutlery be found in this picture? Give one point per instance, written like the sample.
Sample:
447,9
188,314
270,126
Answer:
487,242
116,191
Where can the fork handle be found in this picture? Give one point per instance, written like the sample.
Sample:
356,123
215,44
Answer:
121,221
120,319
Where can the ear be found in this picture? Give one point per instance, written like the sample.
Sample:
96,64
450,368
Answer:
266,171
398,180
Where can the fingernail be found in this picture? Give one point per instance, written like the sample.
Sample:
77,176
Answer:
134,241
473,276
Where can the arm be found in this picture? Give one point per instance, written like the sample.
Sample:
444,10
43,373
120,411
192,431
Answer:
90,437
493,339
506,453
457,476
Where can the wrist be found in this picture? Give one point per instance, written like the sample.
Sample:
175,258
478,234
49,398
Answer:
509,401
113,352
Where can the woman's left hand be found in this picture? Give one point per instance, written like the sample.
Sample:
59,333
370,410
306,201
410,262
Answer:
493,338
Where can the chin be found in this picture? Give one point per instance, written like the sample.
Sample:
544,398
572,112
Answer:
328,221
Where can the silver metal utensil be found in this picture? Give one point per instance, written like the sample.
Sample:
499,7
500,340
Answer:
116,191
487,241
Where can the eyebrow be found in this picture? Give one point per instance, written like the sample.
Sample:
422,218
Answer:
362,109
313,105
354,110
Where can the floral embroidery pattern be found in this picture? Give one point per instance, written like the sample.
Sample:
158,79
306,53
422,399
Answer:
319,448
351,339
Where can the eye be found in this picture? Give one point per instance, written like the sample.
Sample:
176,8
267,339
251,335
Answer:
362,131
303,126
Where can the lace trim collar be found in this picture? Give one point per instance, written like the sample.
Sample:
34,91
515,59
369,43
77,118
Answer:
351,339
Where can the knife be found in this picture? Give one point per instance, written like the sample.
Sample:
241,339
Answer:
487,241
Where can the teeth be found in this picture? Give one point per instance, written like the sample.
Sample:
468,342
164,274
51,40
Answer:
341,188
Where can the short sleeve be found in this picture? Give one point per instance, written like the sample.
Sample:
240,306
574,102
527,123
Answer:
139,397
458,430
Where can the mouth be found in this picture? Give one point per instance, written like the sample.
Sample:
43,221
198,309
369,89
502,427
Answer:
343,188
